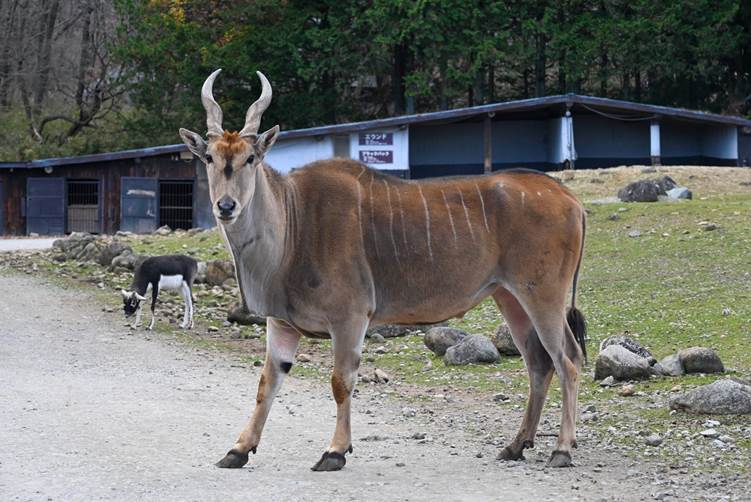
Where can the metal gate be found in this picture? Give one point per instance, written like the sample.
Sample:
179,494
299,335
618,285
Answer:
138,204
176,204
45,206
83,206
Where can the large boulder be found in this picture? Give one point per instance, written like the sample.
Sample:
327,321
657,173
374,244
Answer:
127,259
629,344
504,342
665,183
110,251
725,397
621,364
700,360
670,366
218,271
239,314
472,349
441,338
680,193
640,191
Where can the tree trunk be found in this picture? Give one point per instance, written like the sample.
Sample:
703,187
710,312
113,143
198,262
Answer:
540,64
398,72
44,68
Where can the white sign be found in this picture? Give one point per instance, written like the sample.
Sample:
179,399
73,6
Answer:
386,148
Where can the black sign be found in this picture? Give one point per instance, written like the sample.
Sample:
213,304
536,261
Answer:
377,156
376,138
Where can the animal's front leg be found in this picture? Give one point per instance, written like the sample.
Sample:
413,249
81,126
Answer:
137,322
281,345
154,296
347,345
188,315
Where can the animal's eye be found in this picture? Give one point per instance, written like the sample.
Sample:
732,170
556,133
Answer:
209,160
251,158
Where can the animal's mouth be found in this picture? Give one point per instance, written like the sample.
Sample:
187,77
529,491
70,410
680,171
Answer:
226,219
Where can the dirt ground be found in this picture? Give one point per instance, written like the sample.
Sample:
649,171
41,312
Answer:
92,412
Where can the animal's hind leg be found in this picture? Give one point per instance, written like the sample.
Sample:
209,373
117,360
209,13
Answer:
566,355
539,369
188,315
347,340
281,345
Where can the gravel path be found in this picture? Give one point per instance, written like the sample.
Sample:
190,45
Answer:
91,412
25,244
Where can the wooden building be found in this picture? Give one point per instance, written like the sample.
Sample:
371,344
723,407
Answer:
140,190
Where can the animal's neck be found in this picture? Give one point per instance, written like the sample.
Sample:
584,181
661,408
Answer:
257,241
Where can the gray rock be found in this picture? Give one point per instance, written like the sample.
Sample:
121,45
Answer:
621,364
218,271
639,191
201,274
163,230
127,260
472,349
653,440
239,314
440,339
680,193
727,396
670,366
394,330
629,344
504,342
608,381
634,233
377,338
110,251
700,360
665,183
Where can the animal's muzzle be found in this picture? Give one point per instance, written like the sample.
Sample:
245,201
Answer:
226,206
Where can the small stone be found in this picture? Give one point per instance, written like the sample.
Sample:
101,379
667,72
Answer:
500,398
213,329
726,312
400,464
589,417
303,358
710,433
614,217
676,388
710,226
627,390
377,338
418,435
634,233
381,376
257,363
590,408
653,440
608,381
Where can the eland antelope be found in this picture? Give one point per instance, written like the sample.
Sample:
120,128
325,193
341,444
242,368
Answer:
336,247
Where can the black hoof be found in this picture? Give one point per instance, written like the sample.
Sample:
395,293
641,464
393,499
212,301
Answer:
560,458
330,461
233,460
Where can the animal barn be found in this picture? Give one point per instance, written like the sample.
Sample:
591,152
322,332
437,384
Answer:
140,190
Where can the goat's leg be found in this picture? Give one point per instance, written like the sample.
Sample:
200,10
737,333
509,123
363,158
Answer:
137,321
154,295
190,304
347,343
187,315
539,369
281,344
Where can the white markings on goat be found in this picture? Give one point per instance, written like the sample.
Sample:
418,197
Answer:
482,204
170,281
372,216
391,221
427,221
539,194
451,219
466,214
524,194
401,212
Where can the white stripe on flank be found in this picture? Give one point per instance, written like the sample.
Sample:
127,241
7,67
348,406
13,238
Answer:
372,216
391,222
524,194
427,221
401,212
466,213
451,219
482,203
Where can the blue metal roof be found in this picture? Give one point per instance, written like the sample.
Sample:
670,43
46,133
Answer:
574,101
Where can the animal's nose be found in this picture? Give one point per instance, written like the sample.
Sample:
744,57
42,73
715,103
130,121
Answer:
226,206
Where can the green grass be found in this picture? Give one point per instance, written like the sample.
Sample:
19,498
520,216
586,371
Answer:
207,245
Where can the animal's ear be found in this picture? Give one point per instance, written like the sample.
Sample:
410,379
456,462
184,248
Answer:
125,294
140,298
195,143
266,140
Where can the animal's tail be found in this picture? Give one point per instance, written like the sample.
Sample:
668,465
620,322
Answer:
574,316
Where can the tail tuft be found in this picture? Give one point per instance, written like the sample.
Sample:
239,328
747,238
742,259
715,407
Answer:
578,325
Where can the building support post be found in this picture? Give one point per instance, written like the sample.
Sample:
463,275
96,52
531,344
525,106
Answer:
654,141
567,140
488,143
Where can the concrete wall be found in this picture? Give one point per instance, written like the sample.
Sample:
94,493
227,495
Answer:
520,141
286,155
720,142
